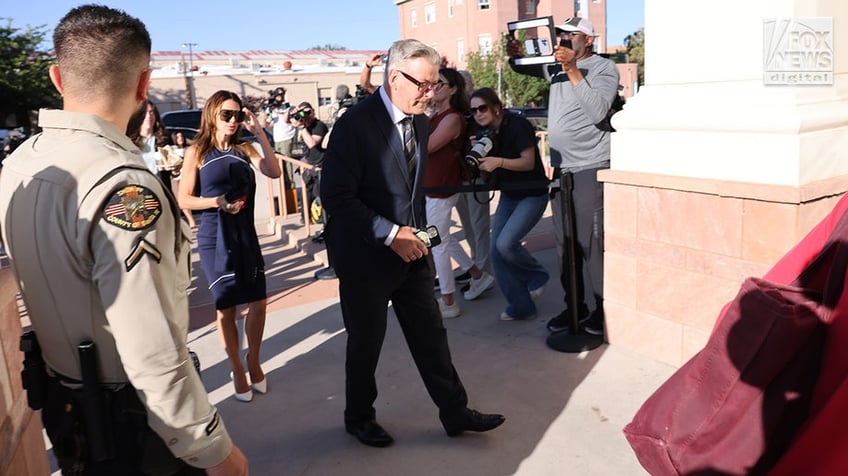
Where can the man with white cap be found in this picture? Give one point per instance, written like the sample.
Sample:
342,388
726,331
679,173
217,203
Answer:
583,87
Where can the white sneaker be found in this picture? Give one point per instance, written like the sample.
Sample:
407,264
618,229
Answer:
449,311
478,286
537,293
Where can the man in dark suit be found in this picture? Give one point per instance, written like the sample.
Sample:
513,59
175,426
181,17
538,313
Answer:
371,188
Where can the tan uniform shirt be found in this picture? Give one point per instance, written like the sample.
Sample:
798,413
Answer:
100,254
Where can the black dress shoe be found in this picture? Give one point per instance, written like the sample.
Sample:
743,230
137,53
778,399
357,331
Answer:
370,433
472,420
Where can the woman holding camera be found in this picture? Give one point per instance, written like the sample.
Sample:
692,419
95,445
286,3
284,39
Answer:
515,165
444,169
219,163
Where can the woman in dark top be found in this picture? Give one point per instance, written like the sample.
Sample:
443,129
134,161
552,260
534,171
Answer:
220,163
516,167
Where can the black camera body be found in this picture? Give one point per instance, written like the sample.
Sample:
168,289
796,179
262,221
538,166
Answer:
482,148
299,115
277,99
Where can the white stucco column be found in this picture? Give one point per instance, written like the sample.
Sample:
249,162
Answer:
714,174
705,111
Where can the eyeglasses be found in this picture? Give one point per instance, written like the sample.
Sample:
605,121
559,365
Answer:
227,114
482,109
570,33
423,86
440,85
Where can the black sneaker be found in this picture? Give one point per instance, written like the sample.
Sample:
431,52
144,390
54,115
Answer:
593,323
462,278
436,285
559,323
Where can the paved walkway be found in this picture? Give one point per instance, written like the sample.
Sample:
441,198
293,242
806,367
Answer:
564,412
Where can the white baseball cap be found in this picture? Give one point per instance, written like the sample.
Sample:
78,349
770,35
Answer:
577,24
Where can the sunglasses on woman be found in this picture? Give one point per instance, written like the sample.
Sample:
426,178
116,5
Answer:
482,109
227,114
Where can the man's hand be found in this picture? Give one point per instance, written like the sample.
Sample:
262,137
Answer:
566,57
514,48
375,60
407,245
234,465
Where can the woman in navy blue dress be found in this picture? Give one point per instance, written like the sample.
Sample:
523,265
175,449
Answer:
218,179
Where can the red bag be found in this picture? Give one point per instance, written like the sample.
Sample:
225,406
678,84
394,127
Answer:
735,407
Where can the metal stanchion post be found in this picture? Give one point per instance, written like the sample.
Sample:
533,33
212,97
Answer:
574,339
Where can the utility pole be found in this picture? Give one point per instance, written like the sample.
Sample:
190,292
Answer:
190,77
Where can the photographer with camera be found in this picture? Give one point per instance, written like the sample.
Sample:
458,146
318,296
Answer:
444,169
277,114
515,165
583,88
311,132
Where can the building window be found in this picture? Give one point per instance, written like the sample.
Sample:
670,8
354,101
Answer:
484,44
429,13
460,50
450,8
413,18
530,7
483,4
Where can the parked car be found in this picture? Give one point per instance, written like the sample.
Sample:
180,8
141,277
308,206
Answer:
187,121
538,116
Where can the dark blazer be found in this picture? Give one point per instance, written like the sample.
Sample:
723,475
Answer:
366,189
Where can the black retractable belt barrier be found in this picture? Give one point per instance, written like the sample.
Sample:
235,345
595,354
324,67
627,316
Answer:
572,340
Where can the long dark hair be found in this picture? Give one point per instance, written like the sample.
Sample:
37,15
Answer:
490,97
458,100
204,141
135,122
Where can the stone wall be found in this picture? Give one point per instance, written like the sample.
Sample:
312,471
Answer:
677,250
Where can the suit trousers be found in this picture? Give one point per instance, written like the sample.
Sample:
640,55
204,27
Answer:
364,304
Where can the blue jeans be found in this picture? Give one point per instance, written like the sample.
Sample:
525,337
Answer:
516,270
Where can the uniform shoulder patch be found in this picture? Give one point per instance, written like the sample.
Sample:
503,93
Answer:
133,208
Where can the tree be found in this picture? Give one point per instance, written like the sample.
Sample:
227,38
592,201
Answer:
635,44
24,83
517,90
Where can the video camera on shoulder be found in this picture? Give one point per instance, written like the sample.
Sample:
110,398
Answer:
482,147
276,99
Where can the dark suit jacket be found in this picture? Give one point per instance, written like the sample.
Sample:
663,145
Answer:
366,189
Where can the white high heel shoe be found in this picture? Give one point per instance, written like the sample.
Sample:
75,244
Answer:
242,397
260,387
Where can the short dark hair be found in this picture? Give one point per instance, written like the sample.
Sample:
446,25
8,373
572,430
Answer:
100,50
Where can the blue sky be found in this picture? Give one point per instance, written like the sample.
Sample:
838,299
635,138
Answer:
272,24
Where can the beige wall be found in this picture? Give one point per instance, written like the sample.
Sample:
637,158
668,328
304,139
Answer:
169,93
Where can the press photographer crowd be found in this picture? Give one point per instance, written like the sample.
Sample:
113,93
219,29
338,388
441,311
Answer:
103,207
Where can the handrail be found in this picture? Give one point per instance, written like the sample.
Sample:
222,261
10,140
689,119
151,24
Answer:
281,190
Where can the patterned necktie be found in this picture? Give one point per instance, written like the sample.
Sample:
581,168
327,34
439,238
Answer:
409,144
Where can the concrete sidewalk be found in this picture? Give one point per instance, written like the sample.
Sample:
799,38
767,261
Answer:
565,412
